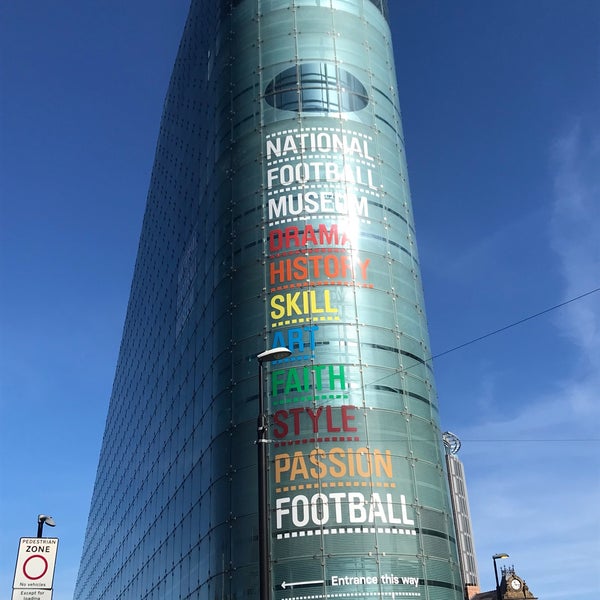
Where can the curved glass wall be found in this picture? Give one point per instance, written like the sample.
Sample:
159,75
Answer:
278,214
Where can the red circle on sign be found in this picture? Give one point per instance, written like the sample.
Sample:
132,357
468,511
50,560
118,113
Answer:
32,567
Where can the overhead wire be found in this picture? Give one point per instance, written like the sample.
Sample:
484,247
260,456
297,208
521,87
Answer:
487,335
519,322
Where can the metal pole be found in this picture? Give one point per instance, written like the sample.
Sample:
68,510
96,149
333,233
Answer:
497,582
277,353
263,514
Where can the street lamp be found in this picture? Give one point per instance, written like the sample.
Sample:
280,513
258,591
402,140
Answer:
261,443
495,558
44,519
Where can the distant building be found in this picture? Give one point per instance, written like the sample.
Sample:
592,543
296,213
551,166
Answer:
462,515
512,587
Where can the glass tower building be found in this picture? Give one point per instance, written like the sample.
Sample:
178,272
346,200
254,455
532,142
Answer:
278,214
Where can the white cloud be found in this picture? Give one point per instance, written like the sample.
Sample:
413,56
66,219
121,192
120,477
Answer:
537,499
575,232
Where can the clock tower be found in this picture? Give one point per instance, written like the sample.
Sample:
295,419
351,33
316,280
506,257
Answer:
512,587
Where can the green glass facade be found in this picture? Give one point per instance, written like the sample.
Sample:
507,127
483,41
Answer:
278,214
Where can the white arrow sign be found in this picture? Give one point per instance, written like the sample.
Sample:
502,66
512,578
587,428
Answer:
299,583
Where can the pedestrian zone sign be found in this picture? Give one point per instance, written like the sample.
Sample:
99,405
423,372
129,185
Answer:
35,566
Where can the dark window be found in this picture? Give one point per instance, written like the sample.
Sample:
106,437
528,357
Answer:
316,87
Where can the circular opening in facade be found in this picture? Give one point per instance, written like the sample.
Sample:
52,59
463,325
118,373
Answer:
316,87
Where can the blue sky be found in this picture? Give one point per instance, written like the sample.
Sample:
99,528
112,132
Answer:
501,111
